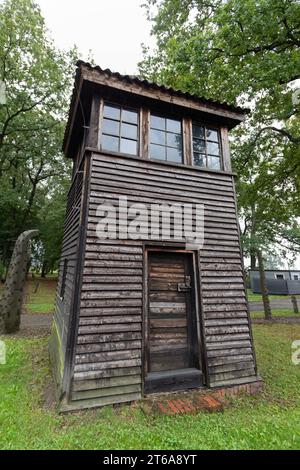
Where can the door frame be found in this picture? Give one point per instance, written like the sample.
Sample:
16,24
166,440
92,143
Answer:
198,320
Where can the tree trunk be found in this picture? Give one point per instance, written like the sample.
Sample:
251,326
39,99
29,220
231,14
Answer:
294,303
44,269
263,286
253,260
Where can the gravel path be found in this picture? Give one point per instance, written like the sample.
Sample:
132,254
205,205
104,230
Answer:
43,320
34,325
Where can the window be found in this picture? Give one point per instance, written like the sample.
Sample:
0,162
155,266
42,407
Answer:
279,276
63,279
165,139
206,147
120,130
296,277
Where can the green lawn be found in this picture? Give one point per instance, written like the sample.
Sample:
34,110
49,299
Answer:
39,294
276,313
270,421
257,297
41,301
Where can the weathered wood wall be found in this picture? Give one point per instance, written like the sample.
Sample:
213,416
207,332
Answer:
108,354
70,246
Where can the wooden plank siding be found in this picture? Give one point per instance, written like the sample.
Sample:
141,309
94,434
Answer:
63,307
109,344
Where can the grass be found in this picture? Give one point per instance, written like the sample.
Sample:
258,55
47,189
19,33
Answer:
258,298
275,313
41,301
39,294
268,421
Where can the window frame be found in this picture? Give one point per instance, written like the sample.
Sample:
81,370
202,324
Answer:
144,112
149,128
213,127
122,107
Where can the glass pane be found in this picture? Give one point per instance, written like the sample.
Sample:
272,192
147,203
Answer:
128,146
173,126
212,148
157,137
111,127
158,122
212,134
199,160
129,116
112,112
214,163
174,140
199,132
128,130
157,151
110,143
174,155
199,145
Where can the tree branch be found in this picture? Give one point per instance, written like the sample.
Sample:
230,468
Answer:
21,110
284,132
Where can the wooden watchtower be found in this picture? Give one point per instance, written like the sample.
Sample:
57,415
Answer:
136,315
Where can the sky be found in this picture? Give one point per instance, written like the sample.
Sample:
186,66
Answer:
112,29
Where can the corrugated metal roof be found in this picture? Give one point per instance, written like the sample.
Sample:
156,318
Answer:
133,79
139,81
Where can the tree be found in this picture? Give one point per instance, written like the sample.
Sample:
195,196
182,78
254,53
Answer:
273,261
37,78
247,53
36,74
51,223
263,286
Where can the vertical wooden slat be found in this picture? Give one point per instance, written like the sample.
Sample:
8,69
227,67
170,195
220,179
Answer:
225,149
144,132
101,105
94,122
187,140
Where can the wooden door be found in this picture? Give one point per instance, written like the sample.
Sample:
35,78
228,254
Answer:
172,343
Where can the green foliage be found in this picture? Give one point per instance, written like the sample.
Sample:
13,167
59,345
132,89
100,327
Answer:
245,52
268,421
273,261
50,225
33,172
